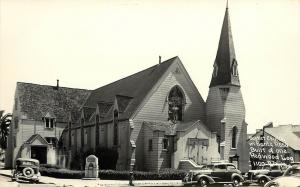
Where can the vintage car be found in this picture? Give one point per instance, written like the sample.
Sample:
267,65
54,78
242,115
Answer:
220,173
26,169
264,173
290,178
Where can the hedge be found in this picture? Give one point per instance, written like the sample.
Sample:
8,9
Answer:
166,174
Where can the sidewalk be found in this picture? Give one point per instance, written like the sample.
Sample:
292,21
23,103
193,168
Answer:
98,183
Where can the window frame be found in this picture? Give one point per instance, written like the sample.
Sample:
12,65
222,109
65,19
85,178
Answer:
234,137
150,145
172,103
116,128
49,122
165,143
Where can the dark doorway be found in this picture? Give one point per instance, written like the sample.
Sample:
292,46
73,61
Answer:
39,153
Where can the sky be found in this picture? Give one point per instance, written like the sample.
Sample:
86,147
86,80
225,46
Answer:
88,44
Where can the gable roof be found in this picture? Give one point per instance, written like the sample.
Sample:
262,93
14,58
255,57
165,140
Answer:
288,133
34,137
37,101
131,90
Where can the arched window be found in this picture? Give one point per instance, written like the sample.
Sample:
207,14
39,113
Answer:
234,137
176,103
116,115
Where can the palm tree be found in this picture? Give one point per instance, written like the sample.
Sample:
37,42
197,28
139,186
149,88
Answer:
5,121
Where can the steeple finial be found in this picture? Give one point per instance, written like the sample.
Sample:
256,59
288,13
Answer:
227,4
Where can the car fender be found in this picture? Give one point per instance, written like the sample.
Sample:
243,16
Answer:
260,176
238,176
210,179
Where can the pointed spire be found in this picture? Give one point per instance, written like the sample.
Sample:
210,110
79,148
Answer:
225,65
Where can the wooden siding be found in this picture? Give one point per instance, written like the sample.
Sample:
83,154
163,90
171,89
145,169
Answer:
205,154
164,156
214,110
156,106
137,135
150,155
106,140
123,145
231,109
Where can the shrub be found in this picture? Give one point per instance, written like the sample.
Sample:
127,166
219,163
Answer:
172,174
166,174
50,166
61,173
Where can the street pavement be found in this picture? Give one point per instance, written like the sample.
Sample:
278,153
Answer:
5,181
93,183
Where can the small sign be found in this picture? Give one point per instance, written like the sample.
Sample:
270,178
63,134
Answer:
91,167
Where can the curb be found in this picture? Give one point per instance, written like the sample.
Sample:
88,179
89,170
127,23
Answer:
7,175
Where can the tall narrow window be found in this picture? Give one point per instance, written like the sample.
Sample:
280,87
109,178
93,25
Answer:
116,114
165,143
234,137
215,72
219,143
234,68
82,133
70,140
97,129
176,102
150,145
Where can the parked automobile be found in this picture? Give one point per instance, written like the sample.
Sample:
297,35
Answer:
264,173
26,169
220,173
290,178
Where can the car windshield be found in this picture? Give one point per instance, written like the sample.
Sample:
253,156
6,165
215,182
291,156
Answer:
267,167
207,167
231,167
27,163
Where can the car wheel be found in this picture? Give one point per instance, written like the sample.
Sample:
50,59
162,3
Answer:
262,181
236,182
203,182
28,172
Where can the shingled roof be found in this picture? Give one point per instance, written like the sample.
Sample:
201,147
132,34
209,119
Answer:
38,100
129,91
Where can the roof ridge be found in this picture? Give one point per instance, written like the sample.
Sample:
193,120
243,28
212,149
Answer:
63,87
154,66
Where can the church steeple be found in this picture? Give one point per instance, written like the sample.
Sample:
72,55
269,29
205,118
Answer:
225,65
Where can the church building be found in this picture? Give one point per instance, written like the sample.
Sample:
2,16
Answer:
153,119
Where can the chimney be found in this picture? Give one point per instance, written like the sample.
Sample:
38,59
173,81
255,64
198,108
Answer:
159,59
57,84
